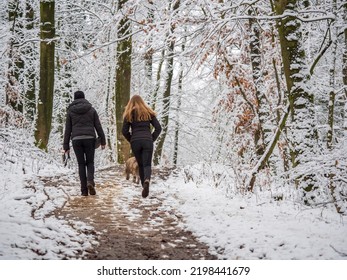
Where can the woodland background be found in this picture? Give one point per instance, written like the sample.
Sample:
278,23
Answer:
258,87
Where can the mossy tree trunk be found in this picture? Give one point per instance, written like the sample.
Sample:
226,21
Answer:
47,47
302,133
123,82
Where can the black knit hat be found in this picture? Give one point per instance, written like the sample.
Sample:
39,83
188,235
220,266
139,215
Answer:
79,94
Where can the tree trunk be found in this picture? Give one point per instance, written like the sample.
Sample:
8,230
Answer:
177,128
344,70
331,115
16,64
149,55
302,134
30,97
167,93
157,81
62,95
110,107
47,46
123,82
332,95
267,153
262,108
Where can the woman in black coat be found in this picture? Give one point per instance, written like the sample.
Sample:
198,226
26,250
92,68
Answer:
138,118
81,122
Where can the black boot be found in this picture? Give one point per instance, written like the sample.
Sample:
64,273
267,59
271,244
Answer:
145,190
84,191
91,187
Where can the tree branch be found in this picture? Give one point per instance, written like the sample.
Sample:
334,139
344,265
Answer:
269,149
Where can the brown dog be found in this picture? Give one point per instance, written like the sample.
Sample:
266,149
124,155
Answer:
132,168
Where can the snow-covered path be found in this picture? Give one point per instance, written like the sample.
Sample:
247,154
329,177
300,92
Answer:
130,227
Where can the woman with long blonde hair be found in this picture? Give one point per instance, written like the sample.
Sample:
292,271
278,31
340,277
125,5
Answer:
138,118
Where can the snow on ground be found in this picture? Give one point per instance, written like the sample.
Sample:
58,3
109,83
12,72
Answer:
28,227
234,226
256,227
246,227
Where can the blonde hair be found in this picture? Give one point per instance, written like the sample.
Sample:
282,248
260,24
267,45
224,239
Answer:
137,110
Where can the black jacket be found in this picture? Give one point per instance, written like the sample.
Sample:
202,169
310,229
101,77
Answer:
82,119
141,130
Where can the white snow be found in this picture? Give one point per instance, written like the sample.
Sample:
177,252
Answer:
28,226
247,227
235,226
256,227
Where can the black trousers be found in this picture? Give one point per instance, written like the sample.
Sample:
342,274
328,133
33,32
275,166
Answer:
143,152
85,151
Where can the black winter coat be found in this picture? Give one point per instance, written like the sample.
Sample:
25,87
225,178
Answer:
141,130
82,119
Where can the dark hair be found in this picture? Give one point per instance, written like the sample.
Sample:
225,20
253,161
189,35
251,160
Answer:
79,94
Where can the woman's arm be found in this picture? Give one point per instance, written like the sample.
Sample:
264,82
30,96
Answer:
126,130
157,128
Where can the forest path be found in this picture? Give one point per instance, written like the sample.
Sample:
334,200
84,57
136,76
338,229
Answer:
131,227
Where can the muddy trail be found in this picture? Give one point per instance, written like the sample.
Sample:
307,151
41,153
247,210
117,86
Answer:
131,229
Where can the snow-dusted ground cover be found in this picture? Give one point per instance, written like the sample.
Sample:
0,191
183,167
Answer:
254,226
28,227
234,226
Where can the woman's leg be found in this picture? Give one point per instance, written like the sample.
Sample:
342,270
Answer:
147,152
136,147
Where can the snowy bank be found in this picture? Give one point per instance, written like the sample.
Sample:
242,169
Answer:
28,226
252,226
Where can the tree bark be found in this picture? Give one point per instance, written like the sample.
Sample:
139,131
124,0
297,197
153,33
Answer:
262,108
30,97
302,132
149,54
344,69
16,64
268,151
47,49
123,82
167,93
179,102
332,93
